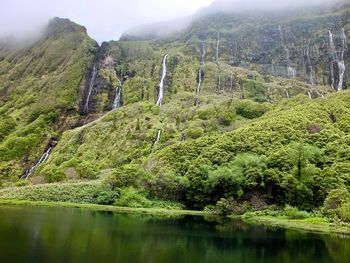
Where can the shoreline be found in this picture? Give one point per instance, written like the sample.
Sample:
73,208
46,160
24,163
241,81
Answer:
103,208
307,225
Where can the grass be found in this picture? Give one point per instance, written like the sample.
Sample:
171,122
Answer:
317,225
105,208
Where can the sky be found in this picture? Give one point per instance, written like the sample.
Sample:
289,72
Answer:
107,19
104,19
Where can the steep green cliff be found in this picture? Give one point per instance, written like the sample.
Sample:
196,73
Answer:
250,109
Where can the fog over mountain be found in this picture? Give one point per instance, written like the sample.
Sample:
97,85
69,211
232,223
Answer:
104,19
165,28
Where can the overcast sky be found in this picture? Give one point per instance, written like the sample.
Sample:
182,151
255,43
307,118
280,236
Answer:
104,19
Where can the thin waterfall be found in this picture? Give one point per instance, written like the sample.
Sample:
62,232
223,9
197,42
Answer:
341,63
311,77
291,72
231,83
156,141
161,84
309,95
203,53
198,90
217,48
118,96
42,159
331,45
91,86
337,60
334,56
287,94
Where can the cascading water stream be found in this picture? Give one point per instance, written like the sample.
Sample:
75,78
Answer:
217,48
198,90
311,77
118,95
309,95
42,159
161,84
91,86
156,141
291,72
337,60
287,94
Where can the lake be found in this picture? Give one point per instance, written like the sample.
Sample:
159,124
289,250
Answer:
32,234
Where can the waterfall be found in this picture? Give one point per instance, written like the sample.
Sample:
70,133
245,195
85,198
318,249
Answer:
117,102
309,95
291,72
341,67
161,84
337,60
341,63
311,77
91,86
332,46
203,53
287,94
231,83
42,159
118,96
217,48
156,141
199,81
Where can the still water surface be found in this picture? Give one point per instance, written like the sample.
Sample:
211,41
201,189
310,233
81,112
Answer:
48,235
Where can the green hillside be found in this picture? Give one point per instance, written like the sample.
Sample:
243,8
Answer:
251,116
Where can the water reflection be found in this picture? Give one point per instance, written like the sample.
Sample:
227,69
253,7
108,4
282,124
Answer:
70,235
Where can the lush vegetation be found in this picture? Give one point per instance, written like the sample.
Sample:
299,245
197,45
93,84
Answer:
238,147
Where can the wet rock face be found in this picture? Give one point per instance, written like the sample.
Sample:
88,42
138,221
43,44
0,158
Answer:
279,46
102,84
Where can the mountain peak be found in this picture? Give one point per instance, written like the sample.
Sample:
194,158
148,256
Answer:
63,25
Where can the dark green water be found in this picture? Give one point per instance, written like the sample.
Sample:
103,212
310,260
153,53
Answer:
73,235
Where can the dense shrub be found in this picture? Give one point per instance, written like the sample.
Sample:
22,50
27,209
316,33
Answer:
89,192
251,110
294,213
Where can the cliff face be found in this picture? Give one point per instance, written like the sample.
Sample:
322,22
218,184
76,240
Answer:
231,83
41,87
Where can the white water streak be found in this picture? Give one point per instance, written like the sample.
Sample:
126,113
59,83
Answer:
91,86
161,84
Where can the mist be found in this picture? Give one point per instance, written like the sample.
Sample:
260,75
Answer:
104,19
109,19
267,5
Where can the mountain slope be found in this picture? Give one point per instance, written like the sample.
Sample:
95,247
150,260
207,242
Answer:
248,109
40,89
